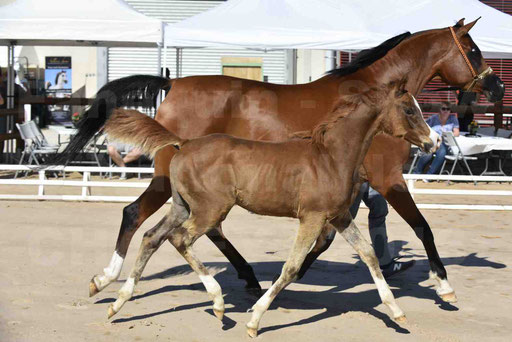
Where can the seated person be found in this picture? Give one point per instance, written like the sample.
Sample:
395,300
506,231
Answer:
115,149
442,122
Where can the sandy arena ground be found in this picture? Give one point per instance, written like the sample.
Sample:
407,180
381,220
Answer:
52,249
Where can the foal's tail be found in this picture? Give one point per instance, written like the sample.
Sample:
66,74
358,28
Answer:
138,90
137,129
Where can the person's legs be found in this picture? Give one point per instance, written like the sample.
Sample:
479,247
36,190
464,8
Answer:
422,162
132,155
378,234
377,224
116,157
438,160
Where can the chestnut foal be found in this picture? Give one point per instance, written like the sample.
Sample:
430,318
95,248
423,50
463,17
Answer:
298,178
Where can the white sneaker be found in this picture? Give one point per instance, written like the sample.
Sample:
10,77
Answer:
123,176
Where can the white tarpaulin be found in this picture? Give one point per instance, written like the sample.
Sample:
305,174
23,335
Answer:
77,22
338,25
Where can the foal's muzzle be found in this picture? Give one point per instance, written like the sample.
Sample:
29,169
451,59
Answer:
433,142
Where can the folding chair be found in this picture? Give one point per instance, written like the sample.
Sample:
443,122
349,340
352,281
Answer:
33,147
486,131
39,137
504,133
417,152
456,153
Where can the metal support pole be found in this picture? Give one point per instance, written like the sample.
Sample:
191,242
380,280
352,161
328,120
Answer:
159,61
178,62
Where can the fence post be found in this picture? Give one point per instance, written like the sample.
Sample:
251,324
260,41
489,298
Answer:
42,177
86,190
410,185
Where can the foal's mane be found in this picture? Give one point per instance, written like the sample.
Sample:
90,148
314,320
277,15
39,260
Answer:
346,105
367,57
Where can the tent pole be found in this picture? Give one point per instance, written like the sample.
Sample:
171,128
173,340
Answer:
10,76
159,61
178,62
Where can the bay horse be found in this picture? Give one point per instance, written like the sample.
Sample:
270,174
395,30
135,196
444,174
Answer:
200,105
314,180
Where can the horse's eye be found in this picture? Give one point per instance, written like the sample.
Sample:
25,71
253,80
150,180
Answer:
409,111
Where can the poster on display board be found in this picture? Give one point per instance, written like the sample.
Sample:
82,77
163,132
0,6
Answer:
57,83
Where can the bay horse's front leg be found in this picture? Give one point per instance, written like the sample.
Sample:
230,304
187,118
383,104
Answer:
347,228
243,269
383,168
401,200
157,193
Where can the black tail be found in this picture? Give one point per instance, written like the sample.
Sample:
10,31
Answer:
138,91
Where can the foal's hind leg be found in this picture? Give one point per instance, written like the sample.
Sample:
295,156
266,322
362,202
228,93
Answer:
309,230
183,238
152,240
243,269
158,192
351,233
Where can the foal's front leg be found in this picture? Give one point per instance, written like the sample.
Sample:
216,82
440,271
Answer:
347,228
309,230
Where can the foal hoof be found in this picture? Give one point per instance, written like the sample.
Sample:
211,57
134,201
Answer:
93,289
111,312
449,297
252,332
219,314
401,319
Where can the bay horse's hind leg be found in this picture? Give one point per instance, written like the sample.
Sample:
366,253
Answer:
322,244
309,230
347,228
243,269
157,193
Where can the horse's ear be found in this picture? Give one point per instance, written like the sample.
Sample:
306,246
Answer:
465,29
460,23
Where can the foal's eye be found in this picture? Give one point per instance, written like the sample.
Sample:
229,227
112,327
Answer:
409,111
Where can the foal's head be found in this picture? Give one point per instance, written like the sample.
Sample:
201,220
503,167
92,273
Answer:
402,116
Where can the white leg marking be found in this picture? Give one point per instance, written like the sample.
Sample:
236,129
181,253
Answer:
387,297
444,285
214,290
260,307
110,273
125,293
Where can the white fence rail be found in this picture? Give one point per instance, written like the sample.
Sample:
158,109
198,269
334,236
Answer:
86,184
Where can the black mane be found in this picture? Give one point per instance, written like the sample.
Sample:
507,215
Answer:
367,57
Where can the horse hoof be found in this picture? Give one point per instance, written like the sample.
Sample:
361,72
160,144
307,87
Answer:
219,314
93,289
252,332
111,312
449,297
401,319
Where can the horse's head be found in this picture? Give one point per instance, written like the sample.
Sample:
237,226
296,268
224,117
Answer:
464,66
402,117
61,78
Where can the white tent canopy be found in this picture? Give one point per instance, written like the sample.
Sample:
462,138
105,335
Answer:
339,25
77,22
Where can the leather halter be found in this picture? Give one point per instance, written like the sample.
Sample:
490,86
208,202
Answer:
476,77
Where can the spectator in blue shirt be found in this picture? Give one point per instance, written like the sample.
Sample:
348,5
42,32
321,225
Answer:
445,121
